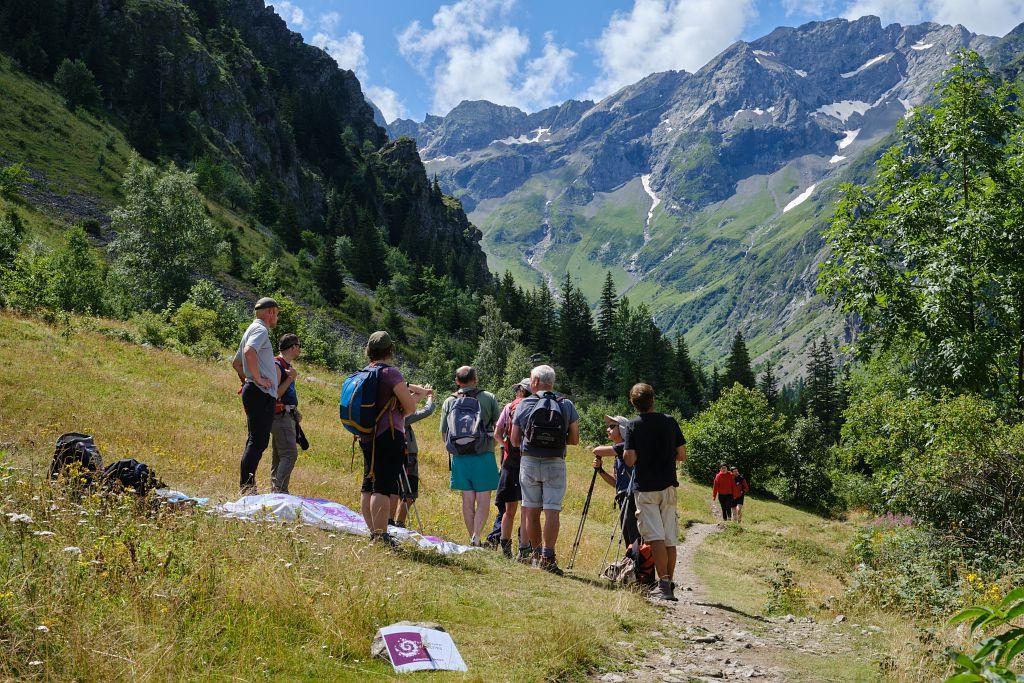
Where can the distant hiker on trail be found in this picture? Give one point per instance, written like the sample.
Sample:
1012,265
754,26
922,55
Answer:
286,416
411,463
384,448
724,488
654,444
622,475
254,363
510,491
467,424
742,488
544,424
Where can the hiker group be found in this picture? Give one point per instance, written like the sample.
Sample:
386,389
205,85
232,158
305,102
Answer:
379,407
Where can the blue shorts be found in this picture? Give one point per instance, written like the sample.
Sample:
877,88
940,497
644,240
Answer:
474,472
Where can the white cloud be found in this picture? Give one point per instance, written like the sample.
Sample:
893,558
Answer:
329,21
808,7
662,35
991,17
291,13
348,51
388,101
471,52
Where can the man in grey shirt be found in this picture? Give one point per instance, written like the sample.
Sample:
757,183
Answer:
254,363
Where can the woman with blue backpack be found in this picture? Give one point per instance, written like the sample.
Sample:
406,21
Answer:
374,404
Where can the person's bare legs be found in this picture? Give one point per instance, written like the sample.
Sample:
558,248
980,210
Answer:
403,512
380,505
508,521
468,513
531,526
393,511
483,508
364,507
661,560
670,565
737,514
551,524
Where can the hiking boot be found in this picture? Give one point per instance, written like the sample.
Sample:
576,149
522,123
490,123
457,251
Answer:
385,539
664,591
549,565
525,554
506,547
400,525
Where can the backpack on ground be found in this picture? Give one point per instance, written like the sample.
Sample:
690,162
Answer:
75,452
643,560
130,474
622,572
464,428
357,405
545,426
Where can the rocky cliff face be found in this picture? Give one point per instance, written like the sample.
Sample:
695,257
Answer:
704,193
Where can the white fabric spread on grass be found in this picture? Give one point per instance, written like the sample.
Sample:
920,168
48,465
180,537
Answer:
867,65
800,199
325,514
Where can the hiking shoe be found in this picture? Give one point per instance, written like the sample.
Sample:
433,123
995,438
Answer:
385,538
506,547
664,592
549,565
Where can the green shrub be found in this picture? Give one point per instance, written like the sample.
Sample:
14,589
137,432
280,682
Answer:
78,275
152,329
803,477
11,179
993,657
741,429
192,323
76,84
28,284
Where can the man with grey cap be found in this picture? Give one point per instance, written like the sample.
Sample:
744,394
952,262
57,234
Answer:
254,363
622,477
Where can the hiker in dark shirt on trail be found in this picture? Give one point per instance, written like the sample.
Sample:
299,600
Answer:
724,488
400,512
621,477
254,363
742,487
654,444
285,447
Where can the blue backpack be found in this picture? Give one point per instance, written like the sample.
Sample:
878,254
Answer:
357,406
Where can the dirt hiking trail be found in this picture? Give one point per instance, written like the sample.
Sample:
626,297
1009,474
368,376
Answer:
699,640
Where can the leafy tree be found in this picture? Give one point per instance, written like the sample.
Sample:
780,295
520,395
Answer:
78,275
804,474
920,254
12,232
769,385
741,429
517,366
11,179
76,84
28,284
497,339
443,357
163,236
737,365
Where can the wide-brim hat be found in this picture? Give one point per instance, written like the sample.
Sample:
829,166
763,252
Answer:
617,421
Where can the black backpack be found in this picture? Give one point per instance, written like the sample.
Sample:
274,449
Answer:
130,474
76,452
545,426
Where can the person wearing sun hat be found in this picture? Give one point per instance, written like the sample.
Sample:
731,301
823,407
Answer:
254,364
621,477
510,492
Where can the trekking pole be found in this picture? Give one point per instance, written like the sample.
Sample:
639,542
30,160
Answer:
412,502
583,520
620,529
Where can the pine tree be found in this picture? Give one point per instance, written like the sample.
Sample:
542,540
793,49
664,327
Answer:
689,382
328,273
606,308
714,385
769,385
737,366
575,342
497,339
822,392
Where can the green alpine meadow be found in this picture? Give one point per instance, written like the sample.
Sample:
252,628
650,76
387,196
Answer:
639,340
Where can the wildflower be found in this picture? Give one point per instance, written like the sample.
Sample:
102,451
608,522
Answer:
35,662
287,565
74,549
44,534
16,517
43,629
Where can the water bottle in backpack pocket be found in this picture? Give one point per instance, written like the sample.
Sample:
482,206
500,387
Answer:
545,427
464,428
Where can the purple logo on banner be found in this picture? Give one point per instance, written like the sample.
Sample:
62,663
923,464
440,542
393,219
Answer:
406,647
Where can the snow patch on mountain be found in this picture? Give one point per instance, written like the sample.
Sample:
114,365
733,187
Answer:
764,53
922,46
800,72
539,135
844,109
836,159
868,64
645,180
800,198
851,135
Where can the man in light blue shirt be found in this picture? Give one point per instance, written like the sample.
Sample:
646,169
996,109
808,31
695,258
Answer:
254,363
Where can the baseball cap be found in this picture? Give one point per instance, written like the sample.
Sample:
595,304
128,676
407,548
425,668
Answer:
379,341
265,302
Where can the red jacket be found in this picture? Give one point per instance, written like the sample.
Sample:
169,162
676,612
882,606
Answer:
725,485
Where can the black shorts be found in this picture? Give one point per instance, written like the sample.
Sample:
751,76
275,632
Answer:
386,455
414,489
509,489
737,501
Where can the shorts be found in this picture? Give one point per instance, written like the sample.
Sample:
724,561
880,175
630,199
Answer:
477,472
737,501
386,454
509,488
657,516
543,482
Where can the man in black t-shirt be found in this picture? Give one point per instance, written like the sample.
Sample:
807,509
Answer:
654,444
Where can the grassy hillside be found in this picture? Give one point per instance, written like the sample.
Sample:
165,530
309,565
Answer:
182,594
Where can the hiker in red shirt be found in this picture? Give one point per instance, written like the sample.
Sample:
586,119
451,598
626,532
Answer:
742,488
725,489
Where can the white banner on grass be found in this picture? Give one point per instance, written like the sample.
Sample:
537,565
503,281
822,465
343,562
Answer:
412,648
326,514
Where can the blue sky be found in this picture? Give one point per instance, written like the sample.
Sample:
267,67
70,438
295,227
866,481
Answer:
416,56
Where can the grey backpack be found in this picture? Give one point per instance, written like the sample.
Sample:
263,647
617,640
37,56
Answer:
464,428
